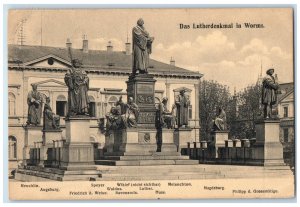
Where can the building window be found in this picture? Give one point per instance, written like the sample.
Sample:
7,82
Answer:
12,147
286,135
190,112
50,61
285,111
61,105
92,107
11,104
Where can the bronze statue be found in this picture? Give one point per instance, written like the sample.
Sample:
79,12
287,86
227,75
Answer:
132,113
165,116
182,109
34,101
219,124
114,120
51,120
269,93
121,105
142,46
78,84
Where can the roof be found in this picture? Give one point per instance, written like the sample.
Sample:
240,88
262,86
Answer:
94,59
286,89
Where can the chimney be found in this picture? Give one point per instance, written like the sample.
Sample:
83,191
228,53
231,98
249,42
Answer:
68,43
85,44
172,62
127,48
109,47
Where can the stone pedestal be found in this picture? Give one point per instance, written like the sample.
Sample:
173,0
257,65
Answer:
142,88
132,140
32,134
168,144
77,151
218,139
181,137
267,149
47,148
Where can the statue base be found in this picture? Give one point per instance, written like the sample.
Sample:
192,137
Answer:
77,151
142,88
140,147
182,136
32,134
218,139
267,150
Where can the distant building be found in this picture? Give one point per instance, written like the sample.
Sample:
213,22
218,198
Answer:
287,116
108,71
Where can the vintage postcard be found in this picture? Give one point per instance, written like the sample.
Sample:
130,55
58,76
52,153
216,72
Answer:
185,103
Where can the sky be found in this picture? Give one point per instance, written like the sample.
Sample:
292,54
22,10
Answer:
233,57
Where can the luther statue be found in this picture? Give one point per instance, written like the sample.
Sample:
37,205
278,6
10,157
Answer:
142,46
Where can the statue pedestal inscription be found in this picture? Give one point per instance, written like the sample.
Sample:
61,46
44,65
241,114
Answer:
268,150
78,150
142,88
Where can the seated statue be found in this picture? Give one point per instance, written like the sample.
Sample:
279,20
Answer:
166,118
51,120
132,113
219,124
114,119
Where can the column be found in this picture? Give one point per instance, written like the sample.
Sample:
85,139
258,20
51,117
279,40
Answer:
25,94
168,94
196,86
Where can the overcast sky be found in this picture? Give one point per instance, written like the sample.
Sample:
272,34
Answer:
229,56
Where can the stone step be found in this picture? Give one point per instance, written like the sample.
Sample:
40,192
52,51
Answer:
142,153
146,157
150,169
146,162
160,177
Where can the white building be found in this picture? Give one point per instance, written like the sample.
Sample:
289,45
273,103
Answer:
108,72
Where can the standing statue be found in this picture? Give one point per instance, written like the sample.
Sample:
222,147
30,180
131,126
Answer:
166,118
269,93
51,120
132,113
182,105
142,46
219,124
78,84
121,105
34,101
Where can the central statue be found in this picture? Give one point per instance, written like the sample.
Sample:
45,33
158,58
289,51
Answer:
78,84
142,46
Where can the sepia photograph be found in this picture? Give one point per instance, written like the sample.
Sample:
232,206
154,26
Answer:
150,103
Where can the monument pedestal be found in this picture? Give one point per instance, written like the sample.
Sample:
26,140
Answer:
47,148
267,149
218,139
181,137
142,88
167,141
77,151
32,134
138,146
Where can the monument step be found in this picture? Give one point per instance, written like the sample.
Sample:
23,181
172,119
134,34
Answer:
146,157
138,153
146,162
159,176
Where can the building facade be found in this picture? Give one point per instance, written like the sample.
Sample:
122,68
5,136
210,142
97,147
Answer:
287,122
108,72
